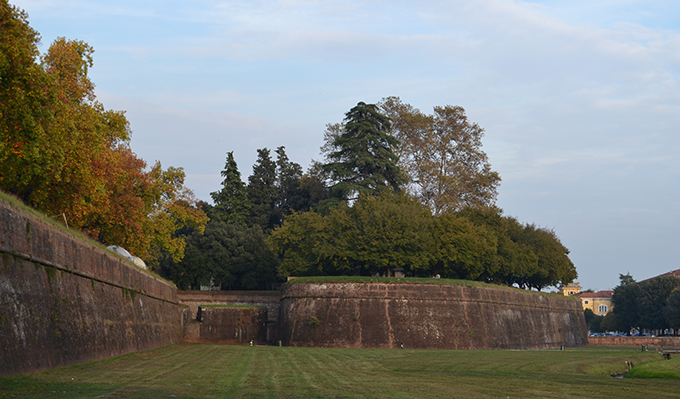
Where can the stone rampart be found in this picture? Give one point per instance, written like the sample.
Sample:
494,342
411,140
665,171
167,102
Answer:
229,325
269,299
384,315
64,301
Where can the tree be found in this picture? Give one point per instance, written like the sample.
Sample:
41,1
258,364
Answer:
625,300
625,279
672,310
62,152
525,255
386,232
26,100
231,202
461,248
360,159
302,246
171,206
442,156
288,181
262,192
554,266
376,236
229,256
654,294
593,321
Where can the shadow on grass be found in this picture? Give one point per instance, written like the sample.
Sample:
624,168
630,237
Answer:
31,387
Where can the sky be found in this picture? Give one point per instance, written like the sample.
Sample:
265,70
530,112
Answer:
579,99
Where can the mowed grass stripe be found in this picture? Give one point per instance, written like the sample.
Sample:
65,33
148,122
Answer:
229,371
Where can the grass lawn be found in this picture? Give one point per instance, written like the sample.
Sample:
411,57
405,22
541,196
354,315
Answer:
231,371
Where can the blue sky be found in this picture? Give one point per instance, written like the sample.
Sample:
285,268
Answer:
580,100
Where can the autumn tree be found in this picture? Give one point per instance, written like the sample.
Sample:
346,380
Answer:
442,156
360,159
62,152
26,99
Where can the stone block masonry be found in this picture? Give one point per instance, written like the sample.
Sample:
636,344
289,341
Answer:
64,301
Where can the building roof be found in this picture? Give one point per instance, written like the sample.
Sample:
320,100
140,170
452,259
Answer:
675,273
599,294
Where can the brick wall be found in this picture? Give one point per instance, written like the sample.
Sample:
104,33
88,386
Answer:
427,316
64,301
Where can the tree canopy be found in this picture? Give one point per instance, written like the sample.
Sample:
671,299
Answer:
441,154
383,233
651,304
63,153
360,157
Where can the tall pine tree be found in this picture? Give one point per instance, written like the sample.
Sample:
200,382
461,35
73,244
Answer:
231,202
288,183
262,192
361,158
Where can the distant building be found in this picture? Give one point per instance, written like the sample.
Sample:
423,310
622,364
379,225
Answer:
570,289
674,273
599,302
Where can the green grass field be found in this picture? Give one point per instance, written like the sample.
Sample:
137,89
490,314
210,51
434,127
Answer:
230,371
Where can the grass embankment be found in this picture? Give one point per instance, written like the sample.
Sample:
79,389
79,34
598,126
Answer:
667,369
228,371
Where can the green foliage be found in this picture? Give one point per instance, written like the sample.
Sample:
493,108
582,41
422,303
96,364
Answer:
594,322
314,322
227,255
649,304
652,301
288,182
625,301
231,202
360,158
672,311
263,193
383,233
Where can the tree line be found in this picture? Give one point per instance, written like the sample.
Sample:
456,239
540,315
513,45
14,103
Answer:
652,304
395,188
358,212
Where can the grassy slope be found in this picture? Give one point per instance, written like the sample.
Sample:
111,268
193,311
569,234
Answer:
228,371
663,369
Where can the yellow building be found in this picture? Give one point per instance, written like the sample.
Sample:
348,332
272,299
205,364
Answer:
570,289
599,302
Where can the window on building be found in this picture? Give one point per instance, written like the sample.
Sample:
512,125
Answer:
586,302
603,308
